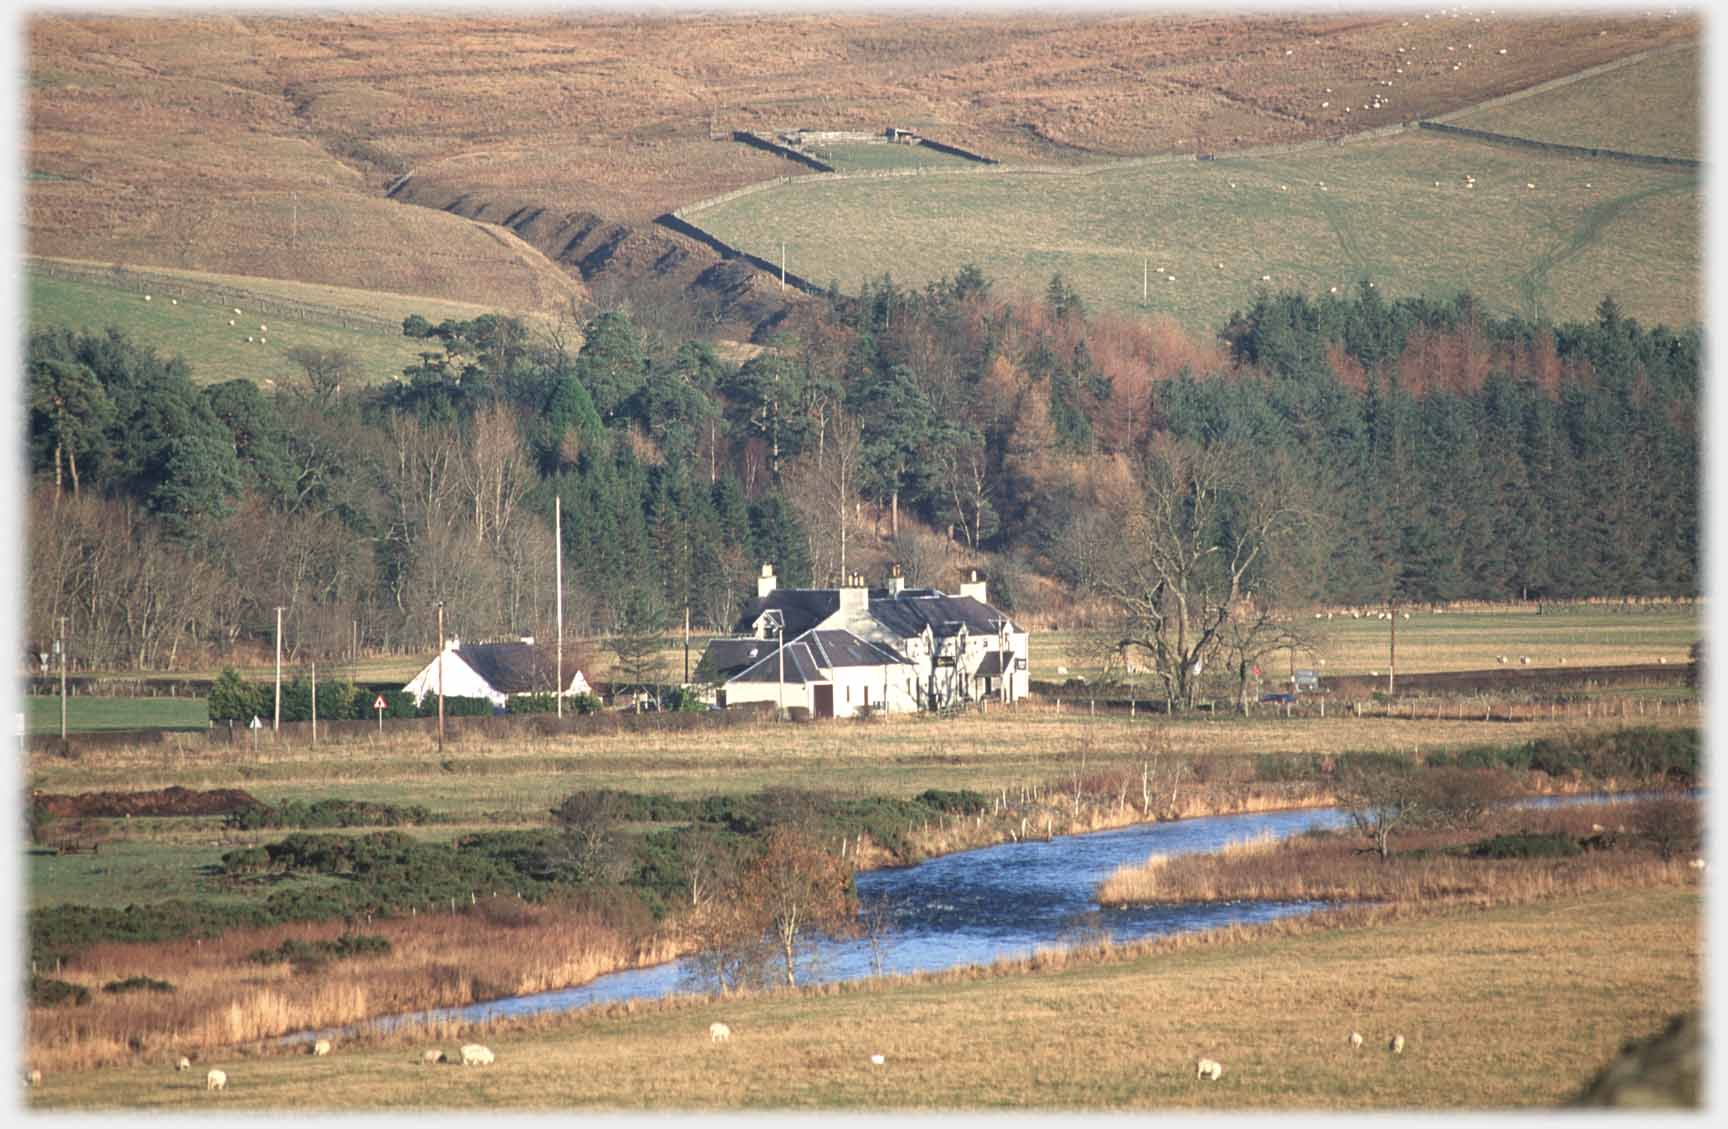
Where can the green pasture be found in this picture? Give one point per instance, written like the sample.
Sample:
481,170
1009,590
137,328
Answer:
866,157
1653,106
136,869
199,331
86,714
1201,239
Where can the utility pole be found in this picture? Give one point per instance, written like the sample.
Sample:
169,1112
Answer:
1145,280
276,726
440,678
686,644
558,536
776,619
314,705
782,264
1392,658
62,683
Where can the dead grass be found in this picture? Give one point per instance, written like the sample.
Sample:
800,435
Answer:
497,947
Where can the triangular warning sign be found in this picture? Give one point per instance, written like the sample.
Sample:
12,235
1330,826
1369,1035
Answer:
256,724
379,703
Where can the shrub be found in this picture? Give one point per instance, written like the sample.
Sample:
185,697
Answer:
329,813
964,800
1525,845
455,705
232,698
583,704
246,861
137,984
532,703
308,955
44,992
1668,823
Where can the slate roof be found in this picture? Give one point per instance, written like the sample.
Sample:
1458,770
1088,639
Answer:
996,663
908,615
804,608
512,668
725,657
800,667
842,648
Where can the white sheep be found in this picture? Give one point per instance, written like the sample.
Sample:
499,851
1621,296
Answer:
1696,864
473,1054
146,297
1501,659
33,1078
877,1060
236,311
1523,660
216,1080
432,1058
1210,1070
184,1063
321,1047
1397,1044
719,1033
1356,1039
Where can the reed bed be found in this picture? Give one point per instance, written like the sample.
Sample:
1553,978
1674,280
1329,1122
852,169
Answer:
1335,867
494,948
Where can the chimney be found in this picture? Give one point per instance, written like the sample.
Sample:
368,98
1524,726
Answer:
765,582
896,580
974,588
854,596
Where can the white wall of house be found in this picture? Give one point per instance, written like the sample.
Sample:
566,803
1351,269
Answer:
798,694
460,681
888,688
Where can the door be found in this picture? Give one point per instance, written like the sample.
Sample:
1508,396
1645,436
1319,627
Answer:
824,699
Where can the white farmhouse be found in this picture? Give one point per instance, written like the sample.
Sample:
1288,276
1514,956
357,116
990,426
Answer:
497,671
854,647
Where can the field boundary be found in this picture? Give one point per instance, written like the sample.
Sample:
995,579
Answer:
1558,148
146,280
1565,80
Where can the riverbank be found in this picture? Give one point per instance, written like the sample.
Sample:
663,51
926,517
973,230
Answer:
1116,1028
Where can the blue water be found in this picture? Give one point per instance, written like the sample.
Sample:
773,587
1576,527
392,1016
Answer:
976,906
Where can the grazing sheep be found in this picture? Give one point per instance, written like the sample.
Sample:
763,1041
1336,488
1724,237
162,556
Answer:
719,1033
1501,659
184,1063
321,1047
216,1080
877,1060
476,1055
1356,1039
1696,864
1209,1070
146,297
33,1078
1523,660
432,1058
1396,1046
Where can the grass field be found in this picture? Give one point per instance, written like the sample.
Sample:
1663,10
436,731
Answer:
1521,987
865,157
86,714
1211,235
198,330
1652,106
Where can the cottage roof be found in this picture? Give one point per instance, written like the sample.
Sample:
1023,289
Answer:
800,666
996,663
512,668
908,615
842,648
803,608
728,655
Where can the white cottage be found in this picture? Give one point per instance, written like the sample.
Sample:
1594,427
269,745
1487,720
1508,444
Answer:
496,671
847,648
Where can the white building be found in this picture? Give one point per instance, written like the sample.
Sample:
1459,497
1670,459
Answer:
889,648
497,671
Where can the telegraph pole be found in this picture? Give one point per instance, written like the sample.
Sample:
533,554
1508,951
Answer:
277,724
686,644
1392,657
558,536
314,705
440,677
782,264
63,683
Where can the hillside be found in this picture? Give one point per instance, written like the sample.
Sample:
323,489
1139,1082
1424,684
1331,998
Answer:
268,145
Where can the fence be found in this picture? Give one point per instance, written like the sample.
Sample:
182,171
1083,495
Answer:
1489,709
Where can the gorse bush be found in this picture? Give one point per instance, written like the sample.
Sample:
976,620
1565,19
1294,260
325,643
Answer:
1524,845
43,992
329,813
1638,753
137,984
309,953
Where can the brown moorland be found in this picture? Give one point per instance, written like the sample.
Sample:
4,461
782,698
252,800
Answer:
268,145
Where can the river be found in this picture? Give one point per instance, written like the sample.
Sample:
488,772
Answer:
973,907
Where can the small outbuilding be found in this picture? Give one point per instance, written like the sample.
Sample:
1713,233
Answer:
496,671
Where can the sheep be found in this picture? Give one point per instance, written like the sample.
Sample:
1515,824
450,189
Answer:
473,1054
877,1060
216,1080
184,1063
1696,864
1523,660
719,1033
230,323
263,341
1356,1040
236,311
146,297
33,1078
321,1047
1396,1046
1209,1069
1501,659
432,1058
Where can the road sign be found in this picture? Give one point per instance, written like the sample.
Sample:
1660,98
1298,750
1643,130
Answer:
379,703
256,724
